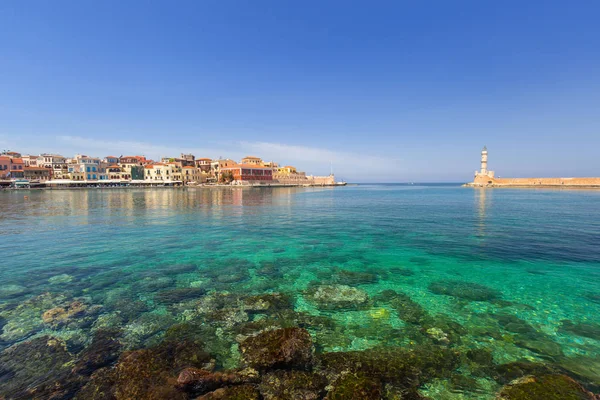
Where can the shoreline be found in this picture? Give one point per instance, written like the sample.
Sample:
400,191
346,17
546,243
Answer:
120,187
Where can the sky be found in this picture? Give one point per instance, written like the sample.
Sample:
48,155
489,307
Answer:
383,91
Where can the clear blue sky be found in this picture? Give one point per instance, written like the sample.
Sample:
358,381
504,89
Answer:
388,91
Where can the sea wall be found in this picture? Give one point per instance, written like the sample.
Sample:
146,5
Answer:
536,182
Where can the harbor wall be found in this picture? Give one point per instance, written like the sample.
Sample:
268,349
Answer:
536,182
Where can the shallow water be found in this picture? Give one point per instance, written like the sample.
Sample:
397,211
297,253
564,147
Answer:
122,252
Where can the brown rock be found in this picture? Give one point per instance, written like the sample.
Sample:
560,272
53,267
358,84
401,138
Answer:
546,387
280,348
242,392
200,381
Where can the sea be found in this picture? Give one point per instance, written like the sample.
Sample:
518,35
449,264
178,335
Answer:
500,276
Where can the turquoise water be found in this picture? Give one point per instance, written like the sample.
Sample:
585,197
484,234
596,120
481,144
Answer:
514,272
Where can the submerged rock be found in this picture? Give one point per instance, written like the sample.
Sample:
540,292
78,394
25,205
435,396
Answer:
37,369
506,373
148,373
179,295
407,368
103,351
408,310
199,381
11,290
355,387
585,329
241,392
347,277
338,297
546,387
464,290
292,385
267,303
26,319
75,314
280,348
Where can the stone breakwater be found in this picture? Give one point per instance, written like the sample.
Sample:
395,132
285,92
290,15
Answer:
480,181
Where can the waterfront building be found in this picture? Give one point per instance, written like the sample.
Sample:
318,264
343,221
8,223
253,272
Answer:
249,173
251,160
111,160
32,161
163,173
55,162
5,163
191,174
204,164
37,173
114,172
17,167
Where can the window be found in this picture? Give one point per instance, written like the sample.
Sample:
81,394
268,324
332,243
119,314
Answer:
94,169
87,169
94,176
88,176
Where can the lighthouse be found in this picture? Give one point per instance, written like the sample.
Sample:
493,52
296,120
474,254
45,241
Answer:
484,170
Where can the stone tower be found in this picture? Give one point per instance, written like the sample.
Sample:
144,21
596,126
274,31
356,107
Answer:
484,170
484,176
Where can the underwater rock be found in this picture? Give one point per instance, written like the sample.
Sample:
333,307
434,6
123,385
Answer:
351,278
75,314
464,290
585,369
355,387
26,319
292,385
103,351
148,373
542,346
199,381
266,303
128,309
101,386
506,373
338,297
407,368
8,291
408,310
438,335
546,387
179,295
241,392
514,324
481,357
594,297
288,347
37,369
402,271
136,333
585,329
58,279
452,331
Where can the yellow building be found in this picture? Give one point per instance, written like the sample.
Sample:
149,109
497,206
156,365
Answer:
251,160
162,173
191,174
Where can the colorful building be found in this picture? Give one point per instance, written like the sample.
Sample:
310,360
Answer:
249,173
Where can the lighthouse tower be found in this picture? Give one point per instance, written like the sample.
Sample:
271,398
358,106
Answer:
484,170
484,176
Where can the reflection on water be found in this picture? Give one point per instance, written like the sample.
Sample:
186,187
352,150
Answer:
461,286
